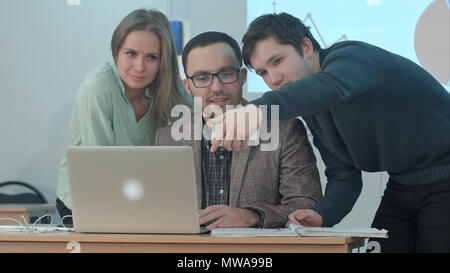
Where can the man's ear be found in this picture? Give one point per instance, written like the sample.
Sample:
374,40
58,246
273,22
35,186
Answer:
244,72
186,86
308,49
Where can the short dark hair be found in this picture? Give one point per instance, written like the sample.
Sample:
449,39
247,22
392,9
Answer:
209,38
283,27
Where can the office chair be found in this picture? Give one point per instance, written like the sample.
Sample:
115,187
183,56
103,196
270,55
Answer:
34,197
23,198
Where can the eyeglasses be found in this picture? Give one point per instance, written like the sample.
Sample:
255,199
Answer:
204,80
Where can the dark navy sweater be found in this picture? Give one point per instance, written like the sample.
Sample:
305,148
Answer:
371,110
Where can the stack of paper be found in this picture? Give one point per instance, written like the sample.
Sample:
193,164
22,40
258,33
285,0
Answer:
252,232
338,232
296,230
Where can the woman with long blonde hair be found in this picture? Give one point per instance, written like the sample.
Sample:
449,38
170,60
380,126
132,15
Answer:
124,102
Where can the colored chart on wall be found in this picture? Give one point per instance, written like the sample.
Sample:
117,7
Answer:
417,30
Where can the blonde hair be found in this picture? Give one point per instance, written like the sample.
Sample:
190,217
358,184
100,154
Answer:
167,88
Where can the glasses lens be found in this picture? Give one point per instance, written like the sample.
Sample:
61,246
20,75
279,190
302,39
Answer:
228,76
202,80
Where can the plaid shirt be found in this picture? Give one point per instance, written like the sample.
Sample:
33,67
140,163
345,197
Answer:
215,175
216,178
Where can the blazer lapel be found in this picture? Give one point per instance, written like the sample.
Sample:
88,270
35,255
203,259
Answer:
238,166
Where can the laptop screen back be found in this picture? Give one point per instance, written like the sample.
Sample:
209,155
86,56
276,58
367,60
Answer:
147,189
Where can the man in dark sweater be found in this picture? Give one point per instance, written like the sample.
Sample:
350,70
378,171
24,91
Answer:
368,110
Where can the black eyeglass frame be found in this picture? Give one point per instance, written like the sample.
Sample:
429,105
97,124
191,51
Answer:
215,75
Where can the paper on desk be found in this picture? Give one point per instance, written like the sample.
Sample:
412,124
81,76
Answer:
252,232
338,232
296,230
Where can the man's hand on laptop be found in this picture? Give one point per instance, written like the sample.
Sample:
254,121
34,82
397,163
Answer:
226,216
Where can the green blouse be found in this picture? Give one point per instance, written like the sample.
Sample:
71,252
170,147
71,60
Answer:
103,116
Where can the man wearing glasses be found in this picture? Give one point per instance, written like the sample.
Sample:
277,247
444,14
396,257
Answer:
247,188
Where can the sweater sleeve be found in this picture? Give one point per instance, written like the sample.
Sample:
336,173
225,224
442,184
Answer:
344,185
345,73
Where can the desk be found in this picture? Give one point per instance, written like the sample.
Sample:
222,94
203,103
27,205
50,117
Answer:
27,210
164,243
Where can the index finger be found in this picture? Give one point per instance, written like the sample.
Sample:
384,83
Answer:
297,216
211,213
211,208
213,121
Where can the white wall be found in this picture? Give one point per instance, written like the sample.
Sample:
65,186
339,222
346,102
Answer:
210,15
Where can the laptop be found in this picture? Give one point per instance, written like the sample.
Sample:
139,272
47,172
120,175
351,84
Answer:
134,189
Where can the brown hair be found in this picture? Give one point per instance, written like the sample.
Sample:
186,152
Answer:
167,89
283,27
209,38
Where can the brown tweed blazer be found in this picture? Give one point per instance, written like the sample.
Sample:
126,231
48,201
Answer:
276,182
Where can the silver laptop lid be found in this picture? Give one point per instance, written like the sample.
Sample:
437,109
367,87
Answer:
136,189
